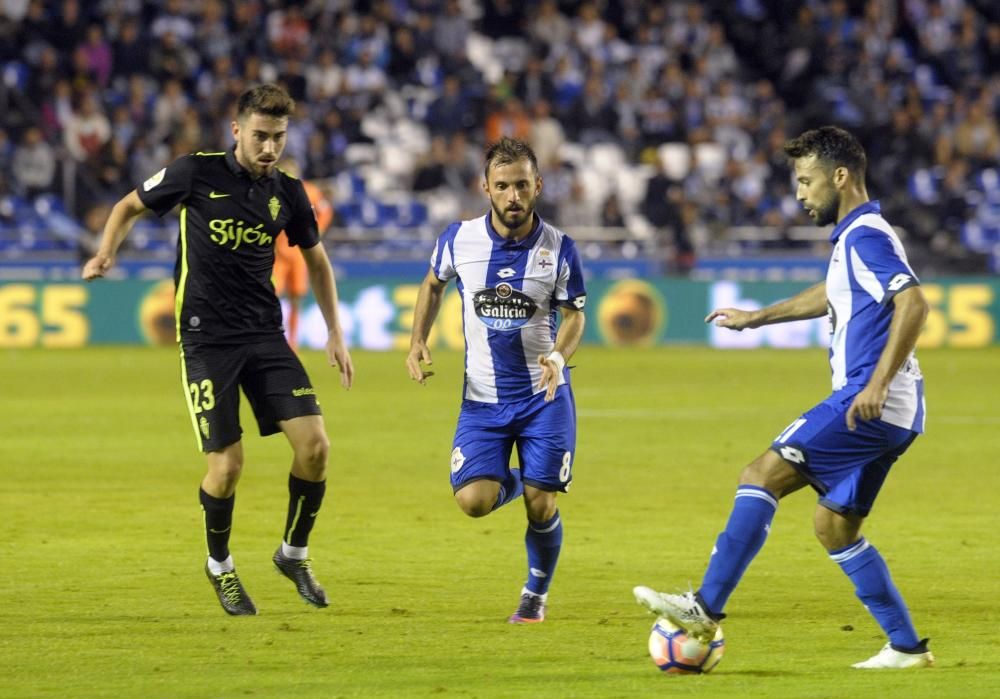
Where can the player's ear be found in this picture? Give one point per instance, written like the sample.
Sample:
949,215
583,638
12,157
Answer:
840,176
235,126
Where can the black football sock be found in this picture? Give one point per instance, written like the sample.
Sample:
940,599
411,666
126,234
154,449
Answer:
304,500
218,523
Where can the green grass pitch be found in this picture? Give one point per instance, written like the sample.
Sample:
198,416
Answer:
102,591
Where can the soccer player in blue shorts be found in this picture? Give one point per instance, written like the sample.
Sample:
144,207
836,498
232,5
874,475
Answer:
513,271
845,446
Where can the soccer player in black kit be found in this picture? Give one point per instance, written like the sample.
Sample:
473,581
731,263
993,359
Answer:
233,205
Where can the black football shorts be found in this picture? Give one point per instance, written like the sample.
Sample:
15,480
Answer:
270,374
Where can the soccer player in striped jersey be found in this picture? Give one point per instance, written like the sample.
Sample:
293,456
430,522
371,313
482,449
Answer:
516,274
843,447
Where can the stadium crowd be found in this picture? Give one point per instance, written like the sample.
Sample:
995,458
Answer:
663,118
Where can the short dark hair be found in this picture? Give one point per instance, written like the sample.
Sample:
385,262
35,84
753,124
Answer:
507,151
833,147
267,99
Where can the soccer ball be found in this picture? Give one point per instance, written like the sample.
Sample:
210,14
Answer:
675,652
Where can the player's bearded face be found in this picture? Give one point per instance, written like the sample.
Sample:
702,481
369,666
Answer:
815,191
513,189
260,140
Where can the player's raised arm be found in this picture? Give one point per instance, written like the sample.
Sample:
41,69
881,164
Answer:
123,216
325,290
424,313
810,303
567,340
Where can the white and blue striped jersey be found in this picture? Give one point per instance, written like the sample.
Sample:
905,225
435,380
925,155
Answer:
510,291
868,267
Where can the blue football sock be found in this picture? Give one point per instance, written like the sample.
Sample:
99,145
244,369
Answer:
510,488
873,585
543,541
737,545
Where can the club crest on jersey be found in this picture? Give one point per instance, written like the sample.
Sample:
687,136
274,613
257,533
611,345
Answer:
274,206
544,259
503,308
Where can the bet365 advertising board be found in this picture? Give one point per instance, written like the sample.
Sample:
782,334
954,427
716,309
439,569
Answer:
377,314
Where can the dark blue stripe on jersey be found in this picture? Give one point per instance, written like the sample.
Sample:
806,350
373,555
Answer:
513,380
569,255
465,339
864,343
446,238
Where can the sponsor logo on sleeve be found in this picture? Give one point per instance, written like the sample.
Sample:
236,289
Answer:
154,180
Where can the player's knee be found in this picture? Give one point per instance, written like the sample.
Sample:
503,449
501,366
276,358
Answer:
541,509
474,503
835,531
313,452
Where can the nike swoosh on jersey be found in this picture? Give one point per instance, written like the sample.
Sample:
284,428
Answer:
217,195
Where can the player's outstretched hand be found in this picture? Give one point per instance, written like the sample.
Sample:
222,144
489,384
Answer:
97,266
732,318
867,405
550,376
419,353
336,352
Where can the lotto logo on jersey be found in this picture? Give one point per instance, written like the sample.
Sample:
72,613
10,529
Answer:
228,230
503,308
899,281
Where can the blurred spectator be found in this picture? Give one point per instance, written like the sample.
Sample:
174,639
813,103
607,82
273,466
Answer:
502,18
977,137
87,129
288,31
168,109
611,212
65,25
534,84
430,171
364,82
592,119
174,21
34,163
508,119
130,51
212,35
451,29
578,210
171,59
324,77
97,54
547,136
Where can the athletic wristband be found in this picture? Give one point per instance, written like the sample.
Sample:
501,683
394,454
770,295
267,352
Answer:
557,359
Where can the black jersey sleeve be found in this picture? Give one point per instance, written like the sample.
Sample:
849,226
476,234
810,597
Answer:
302,229
168,187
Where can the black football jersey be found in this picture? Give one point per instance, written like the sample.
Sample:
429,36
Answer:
225,252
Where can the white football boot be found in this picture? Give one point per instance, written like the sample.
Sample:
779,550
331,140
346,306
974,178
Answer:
682,610
890,658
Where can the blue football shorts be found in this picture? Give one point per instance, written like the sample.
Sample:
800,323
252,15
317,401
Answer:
846,468
544,433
